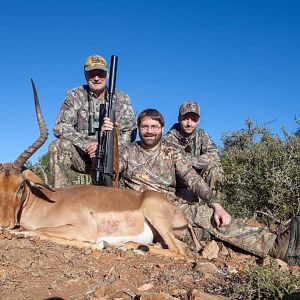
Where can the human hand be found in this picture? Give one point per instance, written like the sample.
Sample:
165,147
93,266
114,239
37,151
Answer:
91,149
221,216
108,125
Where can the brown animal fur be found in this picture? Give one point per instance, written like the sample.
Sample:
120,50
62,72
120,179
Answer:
86,213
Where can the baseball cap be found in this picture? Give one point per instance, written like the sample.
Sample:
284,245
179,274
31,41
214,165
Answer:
188,107
95,62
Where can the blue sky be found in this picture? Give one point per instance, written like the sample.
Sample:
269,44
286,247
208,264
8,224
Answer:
237,59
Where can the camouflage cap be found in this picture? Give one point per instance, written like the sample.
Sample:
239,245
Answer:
95,62
188,107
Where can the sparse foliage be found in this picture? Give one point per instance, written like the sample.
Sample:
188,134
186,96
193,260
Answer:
265,282
262,174
42,168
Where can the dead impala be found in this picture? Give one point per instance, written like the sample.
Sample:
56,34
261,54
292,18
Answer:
83,213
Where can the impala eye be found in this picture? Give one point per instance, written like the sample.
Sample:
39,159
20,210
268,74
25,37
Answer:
21,189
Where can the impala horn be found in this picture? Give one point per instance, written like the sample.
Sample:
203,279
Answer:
21,160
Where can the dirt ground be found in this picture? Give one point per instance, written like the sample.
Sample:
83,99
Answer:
31,268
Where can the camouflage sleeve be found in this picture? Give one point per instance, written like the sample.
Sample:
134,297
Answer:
209,150
193,180
202,162
67,121
125,119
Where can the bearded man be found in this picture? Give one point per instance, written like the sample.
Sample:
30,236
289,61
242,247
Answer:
155,164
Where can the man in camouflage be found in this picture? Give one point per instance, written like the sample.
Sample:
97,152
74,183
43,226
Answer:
152,163
197,147
76,123
201,152
155,164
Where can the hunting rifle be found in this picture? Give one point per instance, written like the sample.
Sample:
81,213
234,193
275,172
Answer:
107,140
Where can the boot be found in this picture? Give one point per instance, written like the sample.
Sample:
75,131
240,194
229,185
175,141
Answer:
292,256
287,245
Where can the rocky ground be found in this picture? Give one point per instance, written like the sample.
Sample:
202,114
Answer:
31,268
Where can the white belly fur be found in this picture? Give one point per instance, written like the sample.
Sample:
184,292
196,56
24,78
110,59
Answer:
145,237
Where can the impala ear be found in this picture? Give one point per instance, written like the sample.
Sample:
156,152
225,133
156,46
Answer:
35,180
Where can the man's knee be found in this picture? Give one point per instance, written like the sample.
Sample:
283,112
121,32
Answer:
52,149
213,176
63,153
60,146
213,172
60,156
61,149
60,162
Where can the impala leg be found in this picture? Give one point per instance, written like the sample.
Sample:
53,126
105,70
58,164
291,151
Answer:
57,240
172,242
68,232
193,235
165,230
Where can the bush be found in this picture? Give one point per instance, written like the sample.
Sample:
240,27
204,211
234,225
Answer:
262,174
265,283
42,168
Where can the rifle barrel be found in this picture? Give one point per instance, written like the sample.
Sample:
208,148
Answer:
112,74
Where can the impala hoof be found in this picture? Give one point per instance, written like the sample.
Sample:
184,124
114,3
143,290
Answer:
102,245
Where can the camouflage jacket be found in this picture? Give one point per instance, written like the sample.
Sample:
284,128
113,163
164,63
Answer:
199,149
157,169
72,120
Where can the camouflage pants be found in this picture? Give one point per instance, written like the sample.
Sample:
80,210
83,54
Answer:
256,240
64,160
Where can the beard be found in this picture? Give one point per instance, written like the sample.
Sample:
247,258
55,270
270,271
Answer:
150,140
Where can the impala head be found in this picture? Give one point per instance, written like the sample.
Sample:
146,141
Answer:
15,180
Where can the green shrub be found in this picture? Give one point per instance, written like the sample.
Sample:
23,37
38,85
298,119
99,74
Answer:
262,174
264,283
42,168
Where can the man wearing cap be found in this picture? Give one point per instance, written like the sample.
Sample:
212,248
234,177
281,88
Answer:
75,135
155,164
196,145
201,152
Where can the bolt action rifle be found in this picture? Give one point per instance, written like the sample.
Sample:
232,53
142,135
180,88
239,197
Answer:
106,161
